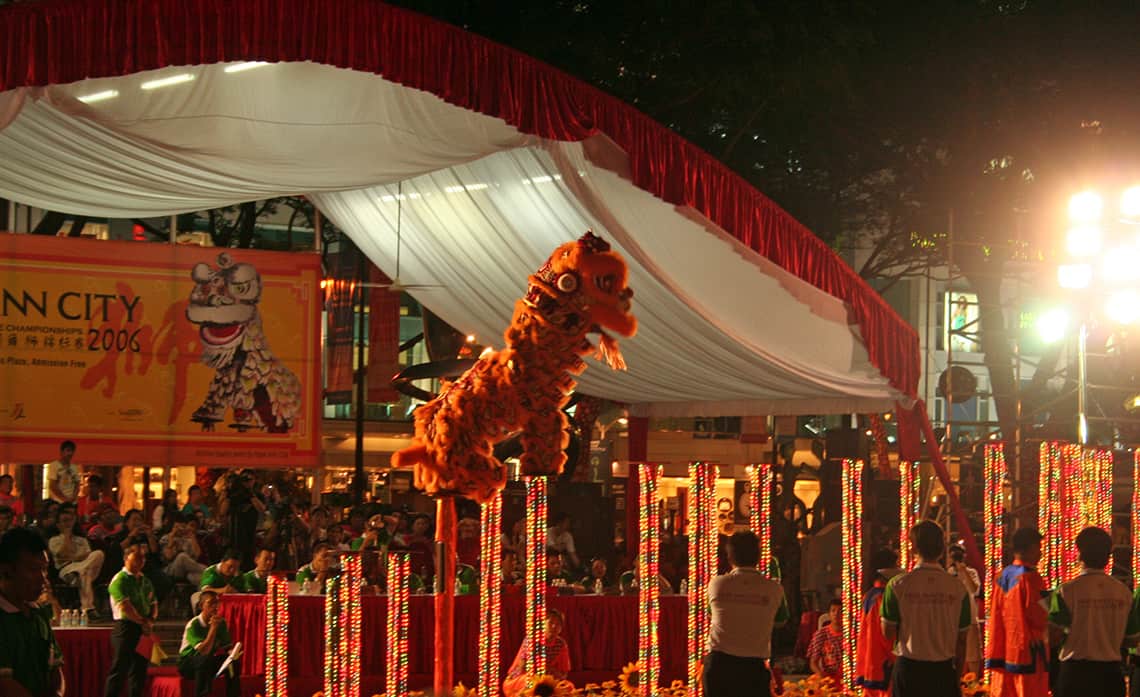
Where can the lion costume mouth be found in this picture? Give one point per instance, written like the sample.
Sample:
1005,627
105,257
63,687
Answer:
221,334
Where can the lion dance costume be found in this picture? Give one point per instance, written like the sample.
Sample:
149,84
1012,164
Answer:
580,290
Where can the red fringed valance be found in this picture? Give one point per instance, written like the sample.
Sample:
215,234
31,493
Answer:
62,41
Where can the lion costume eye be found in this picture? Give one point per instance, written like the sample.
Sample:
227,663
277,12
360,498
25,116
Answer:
567,283
605,283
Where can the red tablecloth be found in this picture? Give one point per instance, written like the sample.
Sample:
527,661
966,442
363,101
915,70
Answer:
86,658
601,632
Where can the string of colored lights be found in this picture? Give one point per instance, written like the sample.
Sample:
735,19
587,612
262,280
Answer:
648,569
351,609
1049,512
490,596
1135,515
882,449
760,508
910,502
399,582
852,531
993,511
702,562
332,638
276,636
1074,507
535,575
1096,465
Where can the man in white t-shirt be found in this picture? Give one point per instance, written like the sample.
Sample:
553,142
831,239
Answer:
63,475
559,539
745,605
968,577
926,614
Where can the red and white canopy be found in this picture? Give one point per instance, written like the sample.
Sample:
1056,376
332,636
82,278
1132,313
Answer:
484,158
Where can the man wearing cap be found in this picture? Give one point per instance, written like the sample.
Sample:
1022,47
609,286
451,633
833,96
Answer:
968,576
873,655
1093,615
926,613
1016,634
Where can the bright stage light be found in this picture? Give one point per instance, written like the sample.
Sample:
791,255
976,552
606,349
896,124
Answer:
98,96
1130,202
167,81
1123,307
242,67
1122,264
1086,207
1074,276
1052,325
1083,241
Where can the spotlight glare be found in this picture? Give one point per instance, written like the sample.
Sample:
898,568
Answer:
1052,325
1122,264
1130,202
1085,207
1074,276
1123,307
1083,241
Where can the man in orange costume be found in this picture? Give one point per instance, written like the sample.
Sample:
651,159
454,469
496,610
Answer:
1016,652
873,653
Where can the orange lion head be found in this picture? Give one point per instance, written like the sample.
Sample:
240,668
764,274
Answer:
588,277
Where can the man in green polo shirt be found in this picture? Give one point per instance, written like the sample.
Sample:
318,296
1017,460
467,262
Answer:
257,580
30,659
225,576
206,644
134,608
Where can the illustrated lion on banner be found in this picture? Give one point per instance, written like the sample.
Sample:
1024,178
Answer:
580,290
248,379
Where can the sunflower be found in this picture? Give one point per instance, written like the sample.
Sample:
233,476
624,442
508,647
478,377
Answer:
630,677
545,686
462,690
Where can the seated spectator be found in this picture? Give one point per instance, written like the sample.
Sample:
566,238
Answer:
357,519
106,525
206,644
92,501
7,498
180,552
162,518
257,579
557,657
556,575
6,519
825,653
225,576
135,530
631,580
196,504
77,564
560,539
337,539
44,524
376,536
419,545
466,580
516,539
467,542
597,580
312,576
511,576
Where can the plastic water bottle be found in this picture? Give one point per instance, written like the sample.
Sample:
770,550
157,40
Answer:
597,586
82,618
65,619
684,586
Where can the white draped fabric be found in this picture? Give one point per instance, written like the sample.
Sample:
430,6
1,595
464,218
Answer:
480,206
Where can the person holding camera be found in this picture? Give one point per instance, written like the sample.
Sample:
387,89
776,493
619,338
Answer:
242,507
968,576
206,644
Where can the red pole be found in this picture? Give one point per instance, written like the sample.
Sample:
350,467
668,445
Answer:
445,597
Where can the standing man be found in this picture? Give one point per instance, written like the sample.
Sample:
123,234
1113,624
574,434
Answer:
1093,615
134,608
745,605
926,613
30,659
560,539
1016,652
968,576
63,475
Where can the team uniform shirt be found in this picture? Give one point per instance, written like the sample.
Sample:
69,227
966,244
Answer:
873,653
1097,613
930,608
745,605
137,589
213,577
194,509
29,653
252,582
195,633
